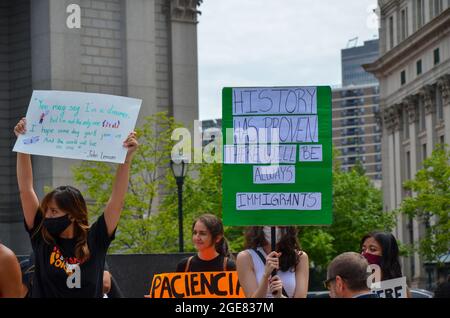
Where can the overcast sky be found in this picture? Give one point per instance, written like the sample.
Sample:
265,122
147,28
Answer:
275,43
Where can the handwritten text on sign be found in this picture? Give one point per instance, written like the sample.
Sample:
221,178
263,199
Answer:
280,201
196,285
291,129
273,174
279,100
392,288
249,154
78,125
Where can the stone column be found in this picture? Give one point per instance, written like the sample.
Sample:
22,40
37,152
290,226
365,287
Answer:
413,117
139,58
427,93
444,86
397,126
184,60
388,160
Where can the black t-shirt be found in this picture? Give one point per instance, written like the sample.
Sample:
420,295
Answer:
54,263
199,265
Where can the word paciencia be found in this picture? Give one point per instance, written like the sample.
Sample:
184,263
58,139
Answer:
195,285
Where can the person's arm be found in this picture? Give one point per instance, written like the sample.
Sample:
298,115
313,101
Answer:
247,276
28,197
106,282
115,204
10,275
302,277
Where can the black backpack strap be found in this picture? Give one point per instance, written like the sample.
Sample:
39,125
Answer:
263,259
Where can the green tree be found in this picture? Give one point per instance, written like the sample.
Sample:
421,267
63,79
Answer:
359,168
202,194
357,204
148,173
357,210
431,203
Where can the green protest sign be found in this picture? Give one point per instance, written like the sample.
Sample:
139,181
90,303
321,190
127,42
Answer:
277,156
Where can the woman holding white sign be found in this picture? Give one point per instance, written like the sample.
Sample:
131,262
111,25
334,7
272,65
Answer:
69,254
256,264
381,248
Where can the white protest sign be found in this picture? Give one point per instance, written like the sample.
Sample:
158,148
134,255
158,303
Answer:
282,201
392,288
239,154
273,174
310,153
291,129
274,100
78,125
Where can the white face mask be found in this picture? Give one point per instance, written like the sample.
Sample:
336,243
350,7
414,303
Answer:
267,234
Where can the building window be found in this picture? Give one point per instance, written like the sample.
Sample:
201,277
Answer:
405,124
421,115
441,140
403,78
404,23
424,152
391,32
439,109
436,56
408,165
419,67
411,240
420,17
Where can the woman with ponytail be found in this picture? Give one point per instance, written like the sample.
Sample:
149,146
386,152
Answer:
209,240
69,254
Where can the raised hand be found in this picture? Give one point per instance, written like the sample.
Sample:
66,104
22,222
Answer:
131,143
21,127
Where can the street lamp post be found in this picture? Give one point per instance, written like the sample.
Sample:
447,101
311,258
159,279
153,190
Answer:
179,169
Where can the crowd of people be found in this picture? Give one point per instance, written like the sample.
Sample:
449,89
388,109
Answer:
68,258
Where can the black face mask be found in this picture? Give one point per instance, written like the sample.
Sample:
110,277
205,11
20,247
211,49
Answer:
55,226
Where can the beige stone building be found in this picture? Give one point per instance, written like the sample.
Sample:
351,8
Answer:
414,74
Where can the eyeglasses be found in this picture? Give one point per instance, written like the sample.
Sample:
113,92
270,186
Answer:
326,283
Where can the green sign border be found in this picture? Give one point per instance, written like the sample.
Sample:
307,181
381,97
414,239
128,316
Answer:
310,176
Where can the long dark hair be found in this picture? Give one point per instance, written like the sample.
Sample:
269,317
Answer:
288,245
390,260
71,201
215,227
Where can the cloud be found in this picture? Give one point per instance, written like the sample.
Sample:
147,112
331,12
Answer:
271,43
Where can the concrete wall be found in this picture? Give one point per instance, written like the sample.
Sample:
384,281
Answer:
132,48
162,57
101,47
15,92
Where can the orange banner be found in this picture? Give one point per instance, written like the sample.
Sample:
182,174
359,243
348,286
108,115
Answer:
196,285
